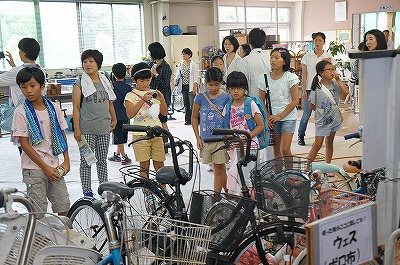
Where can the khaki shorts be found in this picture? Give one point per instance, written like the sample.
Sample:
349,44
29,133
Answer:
149,149
40,188
220,157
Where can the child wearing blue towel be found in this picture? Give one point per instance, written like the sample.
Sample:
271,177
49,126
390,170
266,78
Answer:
39,124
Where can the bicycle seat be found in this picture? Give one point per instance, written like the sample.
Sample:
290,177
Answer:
166,175
324,167
116,187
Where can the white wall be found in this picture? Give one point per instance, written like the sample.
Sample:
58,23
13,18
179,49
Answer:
319,15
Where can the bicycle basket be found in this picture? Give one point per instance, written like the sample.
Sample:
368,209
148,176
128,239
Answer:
12,233
133,171
334,201
227,215
272,167
153,240
282,188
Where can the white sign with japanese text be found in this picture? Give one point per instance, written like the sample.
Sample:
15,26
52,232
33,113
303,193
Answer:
346,238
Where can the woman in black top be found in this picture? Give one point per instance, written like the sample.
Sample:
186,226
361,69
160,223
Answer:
161,77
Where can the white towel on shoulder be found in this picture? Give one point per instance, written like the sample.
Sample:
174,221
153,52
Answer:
88,87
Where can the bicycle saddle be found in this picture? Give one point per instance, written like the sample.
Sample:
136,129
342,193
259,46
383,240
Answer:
324,167
116,187
166,175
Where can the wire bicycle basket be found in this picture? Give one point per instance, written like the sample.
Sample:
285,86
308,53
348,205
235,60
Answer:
282,187
134,171
225,213
153,240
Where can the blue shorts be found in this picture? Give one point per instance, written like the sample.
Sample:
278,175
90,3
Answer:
326,132
285,126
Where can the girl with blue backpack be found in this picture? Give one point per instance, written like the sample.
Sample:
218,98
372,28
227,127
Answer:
208,107
284,96
243,112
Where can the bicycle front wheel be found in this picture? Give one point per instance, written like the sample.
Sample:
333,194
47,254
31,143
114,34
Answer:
279,241
150,199
88,221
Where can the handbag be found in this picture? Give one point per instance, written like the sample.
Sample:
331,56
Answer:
269,109
6,117
178,83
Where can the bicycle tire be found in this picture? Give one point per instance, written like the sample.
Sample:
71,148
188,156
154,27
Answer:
161,205
89,221
342,180
271,239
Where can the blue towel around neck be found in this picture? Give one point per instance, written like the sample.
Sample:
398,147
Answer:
57,138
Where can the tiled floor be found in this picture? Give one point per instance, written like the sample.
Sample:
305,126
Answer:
10,170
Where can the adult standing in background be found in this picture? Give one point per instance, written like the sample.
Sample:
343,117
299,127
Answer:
390,43
257,62
308,63
186,76
244,50
29,50
161,79
231,59
374,40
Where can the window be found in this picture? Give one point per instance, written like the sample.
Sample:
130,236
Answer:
60,35
232,18
66,29
16,22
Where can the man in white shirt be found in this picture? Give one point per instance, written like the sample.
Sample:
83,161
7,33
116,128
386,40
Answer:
390,43
29,50
257,62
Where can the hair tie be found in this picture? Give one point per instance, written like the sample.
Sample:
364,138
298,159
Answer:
141,70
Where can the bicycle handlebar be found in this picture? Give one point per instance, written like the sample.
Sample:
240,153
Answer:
157,131
230,132
218,139
235,138
352,135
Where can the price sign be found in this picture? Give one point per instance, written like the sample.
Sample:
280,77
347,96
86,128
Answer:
346,238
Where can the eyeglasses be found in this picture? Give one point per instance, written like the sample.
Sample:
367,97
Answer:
329,69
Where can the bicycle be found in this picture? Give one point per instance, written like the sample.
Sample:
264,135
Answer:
26,240
147,196
263,240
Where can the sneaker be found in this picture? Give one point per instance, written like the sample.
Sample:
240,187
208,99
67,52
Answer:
88,194
125,160
115,158
301,141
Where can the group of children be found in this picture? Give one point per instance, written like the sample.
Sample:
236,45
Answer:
40,126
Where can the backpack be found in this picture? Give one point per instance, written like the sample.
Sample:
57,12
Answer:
263,137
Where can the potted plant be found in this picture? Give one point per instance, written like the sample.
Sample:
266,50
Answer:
336,47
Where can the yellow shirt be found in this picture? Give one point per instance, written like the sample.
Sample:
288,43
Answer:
143,117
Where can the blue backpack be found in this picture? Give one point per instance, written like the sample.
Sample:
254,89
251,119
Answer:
263,137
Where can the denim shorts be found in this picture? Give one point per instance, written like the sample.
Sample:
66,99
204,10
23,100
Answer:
285,126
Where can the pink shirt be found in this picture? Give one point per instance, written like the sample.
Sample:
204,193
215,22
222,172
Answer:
44,149
237,119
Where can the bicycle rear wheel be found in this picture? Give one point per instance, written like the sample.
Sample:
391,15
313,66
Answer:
277,240
88,220
150,199
339,181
